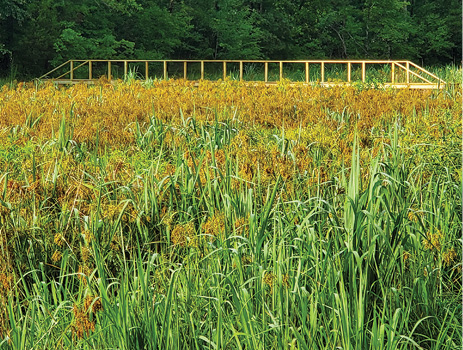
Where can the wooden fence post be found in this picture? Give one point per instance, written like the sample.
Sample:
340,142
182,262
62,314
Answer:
407,64
266,71
146,71
185,70
224,70
202,70
363,72
125,69
72,70
281,70
89,70
392,72
307,72
323,72
349,72
241,70
165,70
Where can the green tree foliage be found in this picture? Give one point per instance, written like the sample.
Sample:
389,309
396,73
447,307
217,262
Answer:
34,47
288,28
388,27
159,28
235,34
123,6
223,29
37,35
89,32
12,13
438,29
342,29
13,8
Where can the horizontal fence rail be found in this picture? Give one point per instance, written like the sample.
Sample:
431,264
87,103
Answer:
395,74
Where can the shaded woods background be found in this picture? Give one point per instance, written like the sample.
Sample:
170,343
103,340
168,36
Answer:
36,35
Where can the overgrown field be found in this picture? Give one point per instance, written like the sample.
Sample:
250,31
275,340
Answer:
226,216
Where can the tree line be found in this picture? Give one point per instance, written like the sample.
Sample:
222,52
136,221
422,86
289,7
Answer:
36,35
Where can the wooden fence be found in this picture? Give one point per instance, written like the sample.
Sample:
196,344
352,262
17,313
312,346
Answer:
395,74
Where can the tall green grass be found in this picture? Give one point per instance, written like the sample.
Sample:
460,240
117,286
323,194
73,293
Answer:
341,264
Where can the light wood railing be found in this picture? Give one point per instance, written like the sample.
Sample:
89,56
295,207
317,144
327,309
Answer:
395,74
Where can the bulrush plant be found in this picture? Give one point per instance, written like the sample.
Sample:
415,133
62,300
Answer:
225,216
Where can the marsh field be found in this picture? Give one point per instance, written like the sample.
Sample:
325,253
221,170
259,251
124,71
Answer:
160,215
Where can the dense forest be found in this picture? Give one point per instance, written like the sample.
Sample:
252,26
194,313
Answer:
36,35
